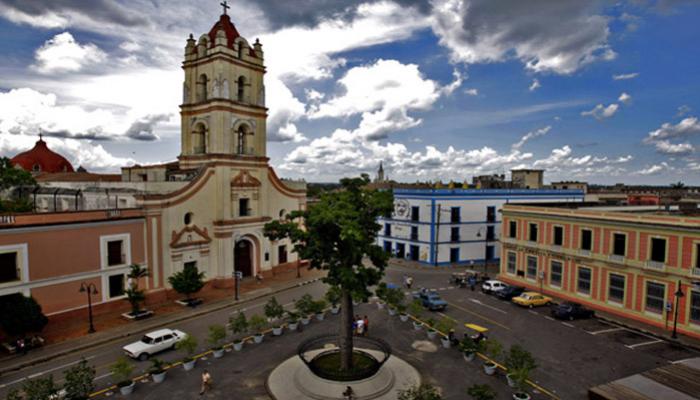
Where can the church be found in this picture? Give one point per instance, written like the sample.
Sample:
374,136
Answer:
207,209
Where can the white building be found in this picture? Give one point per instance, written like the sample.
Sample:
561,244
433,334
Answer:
454,226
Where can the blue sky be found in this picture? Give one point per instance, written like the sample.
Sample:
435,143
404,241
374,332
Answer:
599,91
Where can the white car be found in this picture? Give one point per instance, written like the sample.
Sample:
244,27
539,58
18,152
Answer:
493,286
154,342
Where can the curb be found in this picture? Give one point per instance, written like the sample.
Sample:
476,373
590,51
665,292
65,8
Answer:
117,336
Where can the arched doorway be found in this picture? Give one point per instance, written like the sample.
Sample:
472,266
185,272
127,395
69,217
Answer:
243,257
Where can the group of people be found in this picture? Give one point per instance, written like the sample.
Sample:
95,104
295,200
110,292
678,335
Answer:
360,326
407,281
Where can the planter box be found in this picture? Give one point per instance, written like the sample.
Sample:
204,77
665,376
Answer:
258,338
417,325
335,310
490,368
403,317
305,320
293,326
190,302
158,378
277,330
320,316
445,343
468,357
189,366
521,396
238,345
392,312
141,315
127,390
218,353
432,334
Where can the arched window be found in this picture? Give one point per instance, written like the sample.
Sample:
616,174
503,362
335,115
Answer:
241,140
198,139
202,83
241,88
240,49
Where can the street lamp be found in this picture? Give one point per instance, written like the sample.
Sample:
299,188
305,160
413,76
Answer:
90,289
679,294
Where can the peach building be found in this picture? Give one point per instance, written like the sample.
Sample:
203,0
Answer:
628,263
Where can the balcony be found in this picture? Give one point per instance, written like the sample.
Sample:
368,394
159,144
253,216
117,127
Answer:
696,271
616,258
655,265
585,253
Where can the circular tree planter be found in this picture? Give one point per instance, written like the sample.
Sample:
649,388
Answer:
521,396
417,325
238,345
277,330
258,338
320,316
490,368
403,317
126,390
159,377
218,353
188,365
293,326
335,310
432,333
511,381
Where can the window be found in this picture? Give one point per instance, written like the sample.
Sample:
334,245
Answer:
533,233
511,264
454,254
454,215
558,239
695,307
531,267
116,285
202,84
490,233
556,272
387,229
584,280
658,250
190,264
616,290
656,293
241,89
282,254
241,140
415,214
8,267
414,233
413,253
512,229
586,239
619,244
454,234
115,254
697,255
243,207
490,214
387,246
188,218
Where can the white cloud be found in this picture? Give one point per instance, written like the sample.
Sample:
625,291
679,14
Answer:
683,110
622,77
560,37
666,147
472,91
314,95
687,127
531,135
62,54
535,85
624,98
601,112
285,110
655,169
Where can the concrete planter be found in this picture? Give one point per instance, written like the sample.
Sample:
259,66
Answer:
392,311
432,333
159,377
238,345
218,353
188,365
490,368
277,330
403,317
335,310
305,320
135,317
127,390
521,396
320,316
258,338
417,325
445,343
468,357
293,326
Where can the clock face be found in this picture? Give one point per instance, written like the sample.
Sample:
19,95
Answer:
401,208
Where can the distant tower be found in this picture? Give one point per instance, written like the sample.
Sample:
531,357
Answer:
380,173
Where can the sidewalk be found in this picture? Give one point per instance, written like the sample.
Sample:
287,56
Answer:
165,315
400,262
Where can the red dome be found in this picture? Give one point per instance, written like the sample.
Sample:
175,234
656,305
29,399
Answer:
230,31
41,159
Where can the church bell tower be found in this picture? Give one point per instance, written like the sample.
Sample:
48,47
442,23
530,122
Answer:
223,103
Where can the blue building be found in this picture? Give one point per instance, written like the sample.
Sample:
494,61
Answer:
455,226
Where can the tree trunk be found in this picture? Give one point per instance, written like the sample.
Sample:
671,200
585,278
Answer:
346,318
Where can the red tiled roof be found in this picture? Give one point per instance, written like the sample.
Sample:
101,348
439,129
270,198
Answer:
41,159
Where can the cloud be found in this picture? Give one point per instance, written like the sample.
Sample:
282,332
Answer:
62,13
687,127
625,76
624,98
143,128
535,85
531,135
631,21
655,169
601,112
285,110
472,91
666,147
62,54
683,110
560,37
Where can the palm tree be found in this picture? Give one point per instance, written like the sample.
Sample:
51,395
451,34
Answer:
134,295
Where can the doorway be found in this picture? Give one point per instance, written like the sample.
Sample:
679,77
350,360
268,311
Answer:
243,257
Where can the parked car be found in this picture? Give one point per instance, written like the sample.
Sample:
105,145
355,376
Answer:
493,286
154,342
431,300
510,292
532,299
570,310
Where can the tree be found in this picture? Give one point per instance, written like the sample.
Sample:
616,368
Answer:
134,295
20,315
79,381
187,281
12,177
273,309
678,185
420,392
40,388
337,234
481,392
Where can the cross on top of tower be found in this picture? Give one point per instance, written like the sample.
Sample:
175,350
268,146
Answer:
225,6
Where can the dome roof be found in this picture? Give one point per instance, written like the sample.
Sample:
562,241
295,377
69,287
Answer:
41,159
224,24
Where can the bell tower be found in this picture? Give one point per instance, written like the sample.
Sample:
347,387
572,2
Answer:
223,101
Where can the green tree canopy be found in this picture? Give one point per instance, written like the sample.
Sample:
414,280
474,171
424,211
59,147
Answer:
187,281
336,235
20,315
11,177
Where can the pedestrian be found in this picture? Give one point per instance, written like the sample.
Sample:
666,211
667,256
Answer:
348,394
354,327
21,346
409,282
472,282
360,326
366,325
206,382
258,278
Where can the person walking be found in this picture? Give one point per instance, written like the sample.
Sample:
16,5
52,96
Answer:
366,325
360,326
21,346
409,282
206,382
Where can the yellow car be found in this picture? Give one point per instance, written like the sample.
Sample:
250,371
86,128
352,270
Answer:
532,299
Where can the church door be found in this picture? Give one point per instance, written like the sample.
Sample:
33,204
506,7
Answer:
243,259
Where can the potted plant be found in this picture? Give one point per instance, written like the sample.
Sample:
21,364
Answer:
134,295
394,298
292,320
380,292
238,324
187,282
217,333
469,347
187,345
157,370
333,297
122,370
445,326
416,310
520,378
318,309
519,363
79,381
305,307
257,324
424,391
432,333
274,312
481,392
493,349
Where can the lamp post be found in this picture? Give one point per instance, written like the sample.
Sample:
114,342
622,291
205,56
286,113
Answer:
90,289
679,294
478,234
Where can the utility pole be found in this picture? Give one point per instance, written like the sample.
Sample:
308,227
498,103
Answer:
679,294
437,234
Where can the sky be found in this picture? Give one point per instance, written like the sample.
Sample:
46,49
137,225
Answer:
598,91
